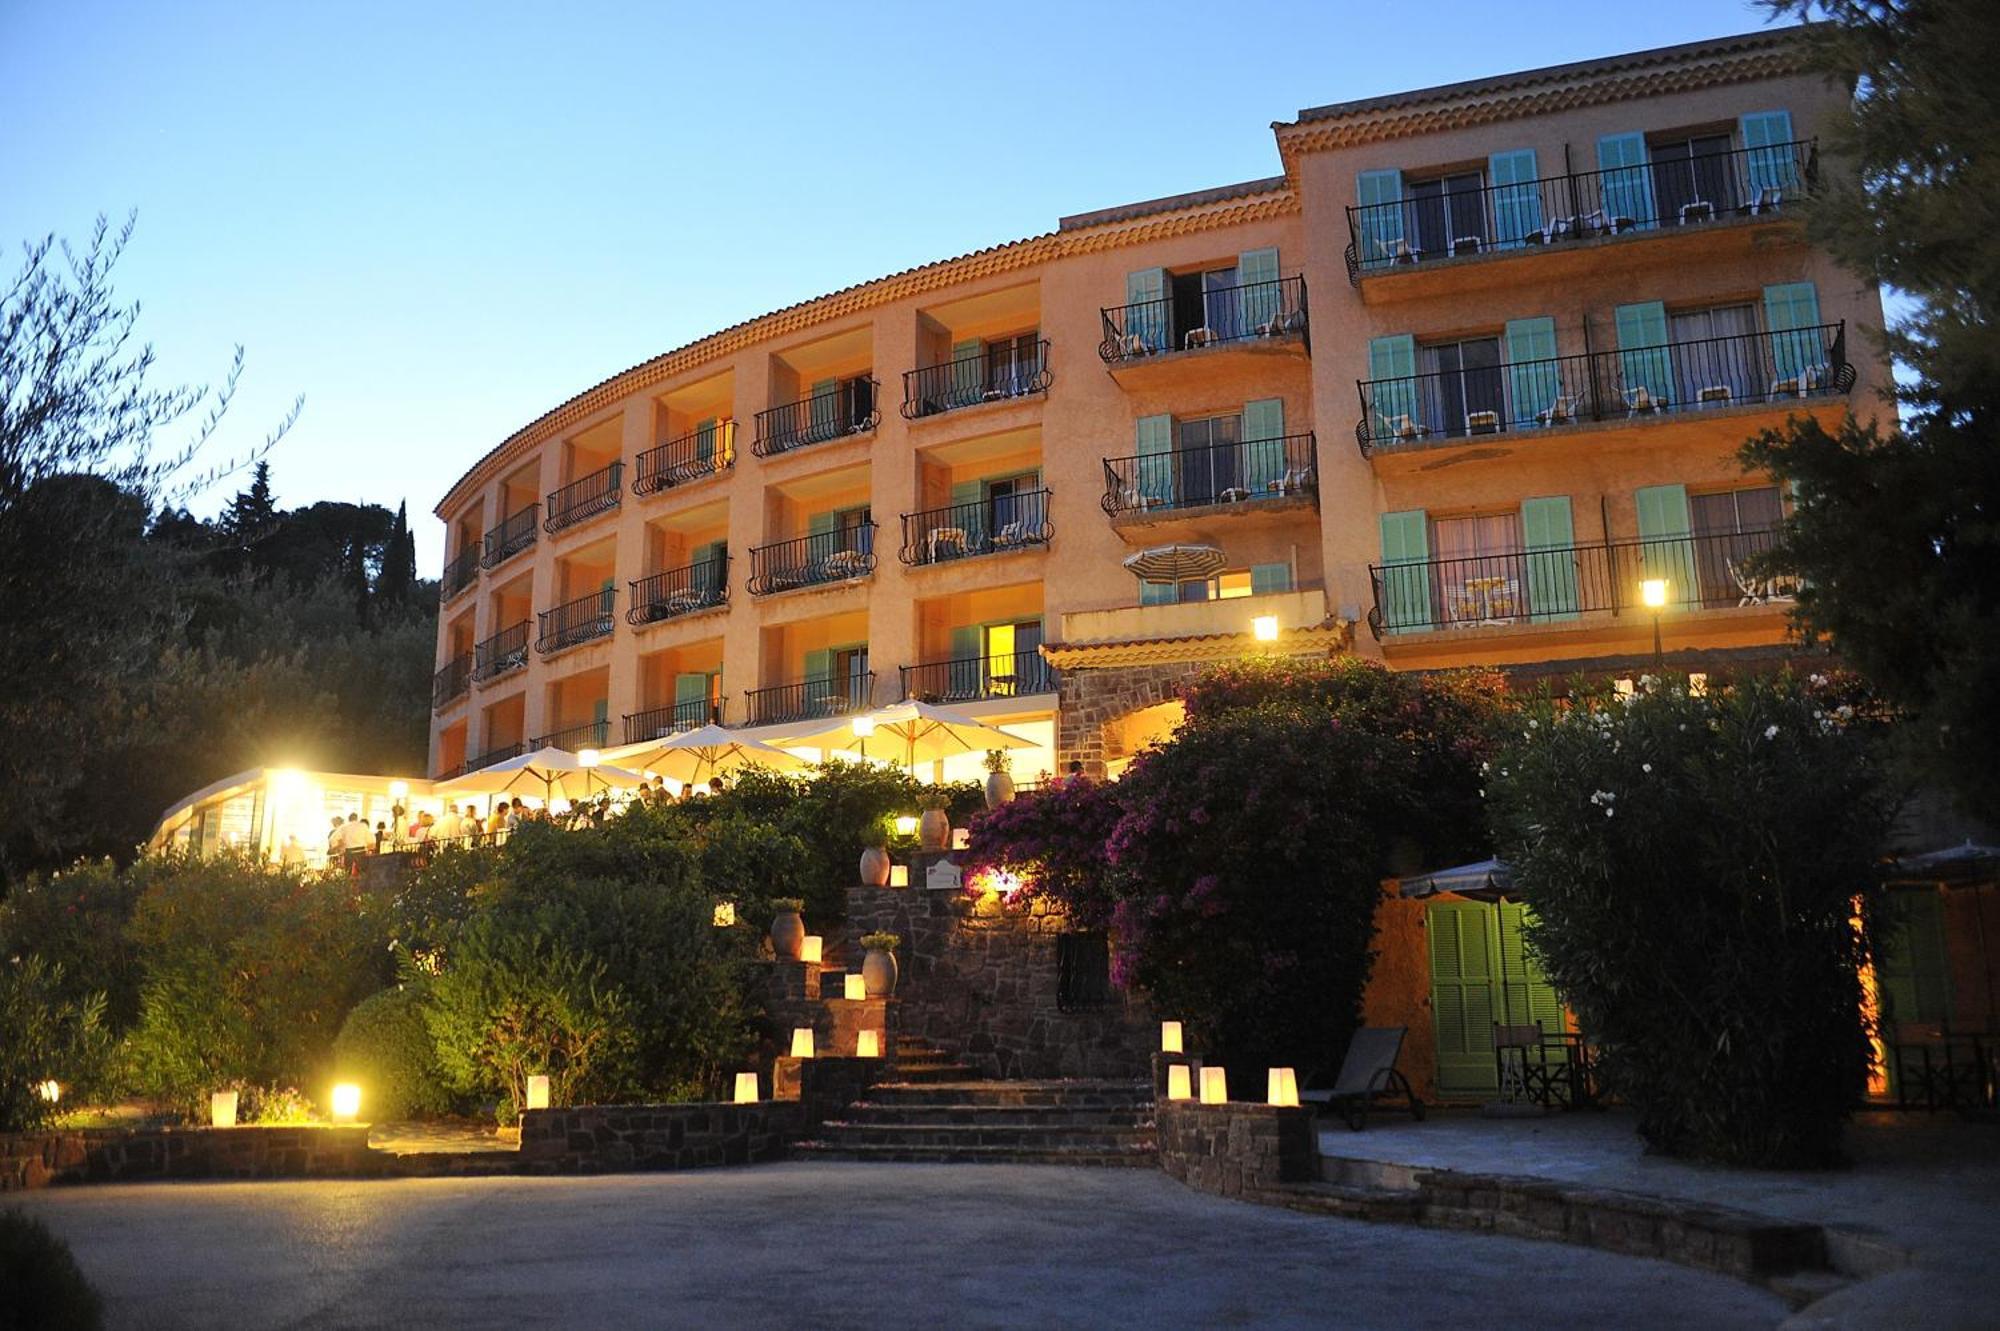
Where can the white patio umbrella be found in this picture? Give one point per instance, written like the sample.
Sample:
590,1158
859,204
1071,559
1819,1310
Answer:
923,731
1177,563
693,756
552,772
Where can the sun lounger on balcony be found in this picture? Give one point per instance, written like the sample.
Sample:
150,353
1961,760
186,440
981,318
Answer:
1402,427
1367,1074
1293,481
1482,422
1769,199
1009,536
1199,337
1397,250
1641,402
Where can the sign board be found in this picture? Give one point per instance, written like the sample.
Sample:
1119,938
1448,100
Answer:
944,876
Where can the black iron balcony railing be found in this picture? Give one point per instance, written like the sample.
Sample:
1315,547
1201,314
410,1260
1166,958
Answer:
504,651
974,678
1637,383
452,682
680,591
984,527
452,772
1253,312
585,497
985,376
828,556
498,754
811,700
514,534
659,722
847,409
1439,222
575,622
689,458
459,574
589,735
1253,471
1556,585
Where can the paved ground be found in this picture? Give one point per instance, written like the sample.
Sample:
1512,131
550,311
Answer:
1928,1183
826,1245
458,1135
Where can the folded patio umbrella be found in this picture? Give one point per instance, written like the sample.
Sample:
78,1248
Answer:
551,773
1177,563
920,732
1487,880
693,756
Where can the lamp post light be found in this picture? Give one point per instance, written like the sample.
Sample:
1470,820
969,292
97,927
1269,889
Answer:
864,726
1653,591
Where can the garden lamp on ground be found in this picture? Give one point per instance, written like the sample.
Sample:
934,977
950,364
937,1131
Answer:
1653,591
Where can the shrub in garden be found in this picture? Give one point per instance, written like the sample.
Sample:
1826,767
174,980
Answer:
40,1283
77,919
1693,865
45,1035
1053,839
438,898
386,1047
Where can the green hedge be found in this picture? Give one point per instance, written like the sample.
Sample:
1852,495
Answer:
385,1047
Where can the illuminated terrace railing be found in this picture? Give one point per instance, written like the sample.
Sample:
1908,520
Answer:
589,735
976,678
811,700
828,556
452,682
659,722
679,591
848,408
504,651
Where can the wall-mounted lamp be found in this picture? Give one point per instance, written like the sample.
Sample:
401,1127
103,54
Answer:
1265,627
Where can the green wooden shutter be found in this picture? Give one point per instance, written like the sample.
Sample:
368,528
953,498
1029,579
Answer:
1913,967
607,595
967,662
968,371
1767,140
1263,445
1517,198
1625,186
1462,1008
1378,196
968,512
1534,380
708,575
1154,478
1642,356
1551,560
690,687
1257,289
825,409
704,439
1406,576
1525,992
819,676
1667,546
1146,293
1392,369
1266,579
1791,315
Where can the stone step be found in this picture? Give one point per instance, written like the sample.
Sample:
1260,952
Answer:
920,1114
1355,1203
853,1132
941,1074
1074,1094
981,1155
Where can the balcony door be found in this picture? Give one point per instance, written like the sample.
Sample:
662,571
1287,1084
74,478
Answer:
1481,573
1012,507
1716,357
1012,363
1689,173
1209,461
1461,386
1730,527
1447,209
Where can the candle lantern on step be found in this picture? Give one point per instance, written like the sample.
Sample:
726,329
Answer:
1178,1087
868,1044
802,1042
812,949
1214,1086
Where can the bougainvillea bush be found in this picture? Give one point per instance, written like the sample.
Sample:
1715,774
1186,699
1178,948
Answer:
1693,863
1051,840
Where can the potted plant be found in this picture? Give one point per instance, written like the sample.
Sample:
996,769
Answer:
878,967
999,778
934,825
875,866
788,931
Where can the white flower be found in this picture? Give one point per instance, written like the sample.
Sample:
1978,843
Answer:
1770,732
1609,812
1602,797
1817,681
1645,767
1534,724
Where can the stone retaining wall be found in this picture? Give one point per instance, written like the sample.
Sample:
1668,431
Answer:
612,1138
121,1155
1235,1148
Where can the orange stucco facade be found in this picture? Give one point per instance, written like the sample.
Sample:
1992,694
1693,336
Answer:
1191,371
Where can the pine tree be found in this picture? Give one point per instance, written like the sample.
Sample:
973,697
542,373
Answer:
252,512
399,561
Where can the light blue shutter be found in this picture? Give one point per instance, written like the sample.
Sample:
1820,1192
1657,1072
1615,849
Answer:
1640,327
819,677
1263,445
1768,154
1533,378
1146,319
707,575
1406,575
1517,196
968,512
1378,196
1154,478
1551,558
1666,544
1392,369
1257,289
967,662
690,695
704,439
607,595
968,371
1625,187
600,718
825,410
1791,314
1266,579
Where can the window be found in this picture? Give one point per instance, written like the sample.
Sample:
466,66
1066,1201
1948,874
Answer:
1208,461
1230,584
1200,301
1012,364
1692,179
1015,502
1013,654
1480,574
1447,209
1729,527
850,673
853,531
1715,354
1083,971
1461,387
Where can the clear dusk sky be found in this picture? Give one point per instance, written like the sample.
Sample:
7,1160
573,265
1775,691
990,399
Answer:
437,221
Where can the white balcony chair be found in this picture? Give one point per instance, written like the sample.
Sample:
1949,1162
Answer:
1715,395
1560,411
1397,250
1482,422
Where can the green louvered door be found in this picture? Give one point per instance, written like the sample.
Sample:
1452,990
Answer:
1525,994
707,578
690,700
1257,294
1517,199
1644,365
1462,1007
1625,186
1550,539
1534,380
1146,309
1263,446
968,371
967,663
1770,167
819,681
1404,598
1392,389
1379,229
1153,478
704,443
825,410
1666,544
1913,969
969,514
1791,315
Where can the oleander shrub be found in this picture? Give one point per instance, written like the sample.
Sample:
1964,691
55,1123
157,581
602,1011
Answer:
385,1047
77,919
1693,864
46,1035
41,1285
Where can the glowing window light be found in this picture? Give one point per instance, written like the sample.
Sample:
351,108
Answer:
346,1101
1283,1087
868,1044
1214,1086
1177,1083
746,1088
802,1042
538,1091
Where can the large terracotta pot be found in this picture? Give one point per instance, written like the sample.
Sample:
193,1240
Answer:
934,830
788,935
879,972
875,867
999,788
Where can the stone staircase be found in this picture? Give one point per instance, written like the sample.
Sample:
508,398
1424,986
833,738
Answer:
939,1111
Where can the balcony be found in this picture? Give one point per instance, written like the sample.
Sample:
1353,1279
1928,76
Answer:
692,457
984,527
1663,197
451,683
584,498
847,410
1220,629
1257,313
808,561
589,735
1253,472
576,622
494,755
504,651
1563,585
459,574
972,380
1672,381
511,537
659,722
813,700
977,678
679,591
